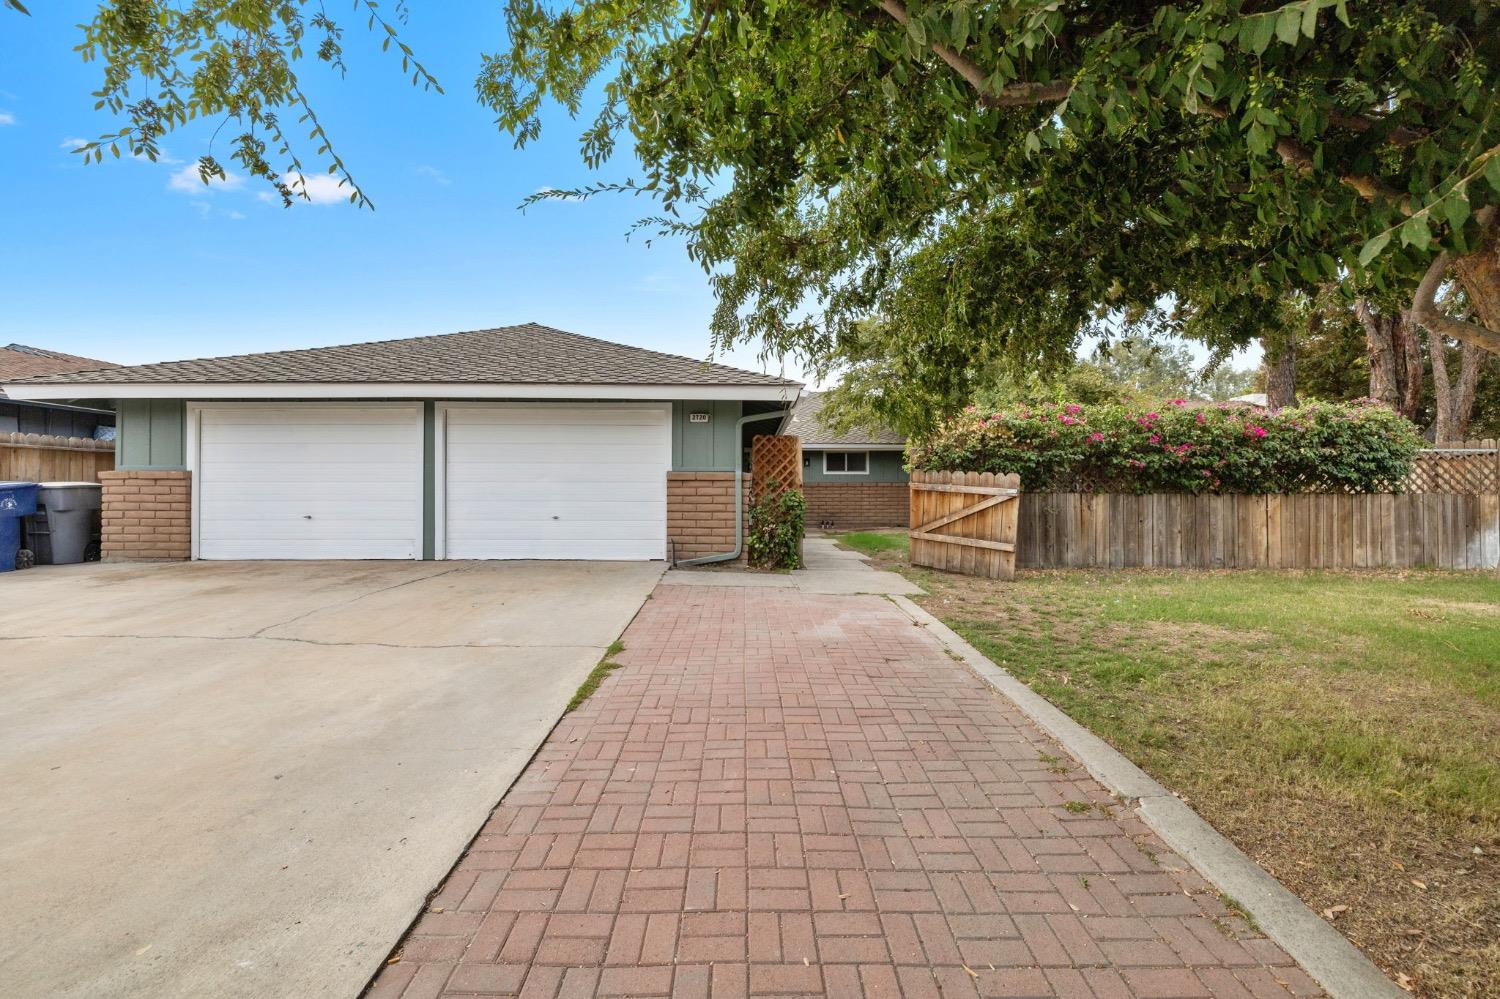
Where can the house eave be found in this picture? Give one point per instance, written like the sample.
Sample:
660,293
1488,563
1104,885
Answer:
395,390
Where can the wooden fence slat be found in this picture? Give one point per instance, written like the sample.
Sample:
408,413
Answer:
1298,531
44,458
967,522
981,524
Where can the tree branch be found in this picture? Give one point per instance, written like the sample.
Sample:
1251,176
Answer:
1426,312
1012,95
1292,153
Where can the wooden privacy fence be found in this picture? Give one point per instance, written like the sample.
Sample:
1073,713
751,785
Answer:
1302,531
965,522
1460,467
40,458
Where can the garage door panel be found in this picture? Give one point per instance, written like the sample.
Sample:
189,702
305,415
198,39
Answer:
522,472
635,532
305,549
309,481
311,476
576,453
237,509
468,513
393,531
517,491
281,432
315,452
562,482
534,436
556,549
554,414
264,492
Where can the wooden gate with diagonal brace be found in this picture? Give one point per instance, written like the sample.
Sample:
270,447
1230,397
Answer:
965,522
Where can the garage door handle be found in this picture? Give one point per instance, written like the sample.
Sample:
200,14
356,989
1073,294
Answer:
307,516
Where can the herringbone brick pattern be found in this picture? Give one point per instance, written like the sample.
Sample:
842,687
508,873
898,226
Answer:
784,794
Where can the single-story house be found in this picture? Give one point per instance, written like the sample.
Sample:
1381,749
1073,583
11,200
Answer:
510,443
856,478
58,419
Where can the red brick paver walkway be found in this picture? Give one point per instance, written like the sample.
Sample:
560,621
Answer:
785,794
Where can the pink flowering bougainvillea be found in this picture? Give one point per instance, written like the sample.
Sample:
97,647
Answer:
1320,447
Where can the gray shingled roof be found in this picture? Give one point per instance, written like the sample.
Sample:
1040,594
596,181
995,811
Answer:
529,354
806,423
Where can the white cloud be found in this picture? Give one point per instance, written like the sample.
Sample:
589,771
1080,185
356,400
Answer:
188,181
72,144
320,189
433,174
6,118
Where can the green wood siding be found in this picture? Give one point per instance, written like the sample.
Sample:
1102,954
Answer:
704,447
151,434
885,466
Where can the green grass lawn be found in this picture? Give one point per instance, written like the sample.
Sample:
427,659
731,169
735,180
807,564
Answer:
1343,728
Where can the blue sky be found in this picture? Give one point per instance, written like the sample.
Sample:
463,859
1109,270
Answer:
132,261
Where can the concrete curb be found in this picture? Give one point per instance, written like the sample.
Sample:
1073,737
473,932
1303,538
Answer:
1323,952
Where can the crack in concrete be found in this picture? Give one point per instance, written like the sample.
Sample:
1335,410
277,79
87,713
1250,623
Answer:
354,600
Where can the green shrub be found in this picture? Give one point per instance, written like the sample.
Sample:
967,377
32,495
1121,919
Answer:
776,525
1067,447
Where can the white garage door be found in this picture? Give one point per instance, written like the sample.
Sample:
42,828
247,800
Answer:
556,481
308,481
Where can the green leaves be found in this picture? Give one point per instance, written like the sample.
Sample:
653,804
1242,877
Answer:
1414,232
1256,32
1373,248
989,182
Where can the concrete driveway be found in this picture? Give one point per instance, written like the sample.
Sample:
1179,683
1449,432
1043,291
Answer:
242,779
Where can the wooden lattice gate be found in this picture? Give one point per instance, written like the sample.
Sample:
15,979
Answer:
775,465
965,522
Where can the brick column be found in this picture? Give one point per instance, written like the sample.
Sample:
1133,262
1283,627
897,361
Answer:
700,512
146,515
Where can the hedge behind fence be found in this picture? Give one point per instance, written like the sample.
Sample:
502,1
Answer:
1320,447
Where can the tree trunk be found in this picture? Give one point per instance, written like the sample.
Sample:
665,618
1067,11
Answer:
1409,351
1396,367
1478,273
1281,370
1468,386
1442,390
1380,345
1453,404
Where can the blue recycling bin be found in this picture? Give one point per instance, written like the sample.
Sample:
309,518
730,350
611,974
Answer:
17,500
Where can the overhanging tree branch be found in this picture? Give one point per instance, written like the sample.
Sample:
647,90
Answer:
1426,311
1292,153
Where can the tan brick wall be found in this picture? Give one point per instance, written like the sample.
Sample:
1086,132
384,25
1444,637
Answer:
700,512
146,516
843,505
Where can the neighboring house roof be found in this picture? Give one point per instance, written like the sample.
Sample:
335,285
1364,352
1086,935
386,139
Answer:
806,423
17,361
529,354
20,361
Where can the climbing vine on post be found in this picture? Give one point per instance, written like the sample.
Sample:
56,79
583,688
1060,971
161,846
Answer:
777,522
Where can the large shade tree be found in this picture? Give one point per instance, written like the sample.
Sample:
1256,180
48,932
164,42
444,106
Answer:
985,179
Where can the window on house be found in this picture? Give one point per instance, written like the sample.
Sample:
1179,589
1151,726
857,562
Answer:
846,462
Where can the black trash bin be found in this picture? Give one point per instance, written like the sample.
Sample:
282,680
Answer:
65,528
